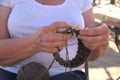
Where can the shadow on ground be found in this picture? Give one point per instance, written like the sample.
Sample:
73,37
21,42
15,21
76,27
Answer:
106,67
110,59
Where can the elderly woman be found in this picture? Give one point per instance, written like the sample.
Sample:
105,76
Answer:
32,30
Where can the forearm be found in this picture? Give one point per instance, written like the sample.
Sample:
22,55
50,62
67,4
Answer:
15,50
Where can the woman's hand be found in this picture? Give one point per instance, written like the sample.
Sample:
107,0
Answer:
47,39
96,38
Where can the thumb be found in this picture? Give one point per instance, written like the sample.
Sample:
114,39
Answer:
59,25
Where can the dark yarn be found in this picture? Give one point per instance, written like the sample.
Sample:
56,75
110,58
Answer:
81,56
33,71
36,71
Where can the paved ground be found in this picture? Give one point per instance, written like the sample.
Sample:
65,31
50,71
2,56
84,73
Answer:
108,66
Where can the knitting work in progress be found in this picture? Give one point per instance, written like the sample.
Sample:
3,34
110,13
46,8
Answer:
36,71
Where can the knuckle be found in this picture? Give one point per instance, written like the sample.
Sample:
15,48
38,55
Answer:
106,29
46,45
62,37
51,50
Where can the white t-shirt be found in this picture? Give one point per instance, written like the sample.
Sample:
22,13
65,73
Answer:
27,16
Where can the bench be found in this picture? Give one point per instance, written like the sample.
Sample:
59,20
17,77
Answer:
114,27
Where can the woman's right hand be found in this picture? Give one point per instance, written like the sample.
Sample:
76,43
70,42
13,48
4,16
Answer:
48,40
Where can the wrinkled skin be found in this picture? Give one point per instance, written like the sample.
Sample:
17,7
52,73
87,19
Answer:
47,39
95,37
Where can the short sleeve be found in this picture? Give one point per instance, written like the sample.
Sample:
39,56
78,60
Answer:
7,3
87,4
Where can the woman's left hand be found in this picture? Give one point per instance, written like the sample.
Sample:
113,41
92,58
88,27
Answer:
96,38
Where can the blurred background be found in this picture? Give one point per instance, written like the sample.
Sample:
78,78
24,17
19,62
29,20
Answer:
107,67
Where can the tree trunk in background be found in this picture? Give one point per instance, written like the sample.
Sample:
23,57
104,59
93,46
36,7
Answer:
112,1
99,1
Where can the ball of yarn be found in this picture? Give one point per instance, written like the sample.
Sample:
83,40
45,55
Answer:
33,71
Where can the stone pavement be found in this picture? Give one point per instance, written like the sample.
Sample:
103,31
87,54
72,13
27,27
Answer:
106,67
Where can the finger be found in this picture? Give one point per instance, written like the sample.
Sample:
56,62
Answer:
58,25
61,44
61,37
95,42
56,37
53,50
94,46
94,24
95,39
102,29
